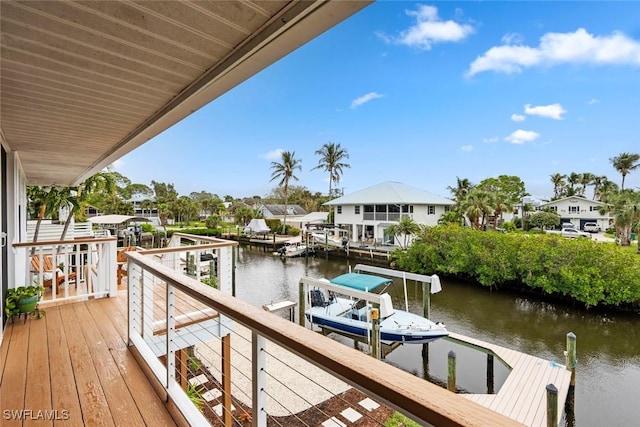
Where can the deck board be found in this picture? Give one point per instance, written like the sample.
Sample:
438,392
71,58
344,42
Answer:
15,371
38,392
63,385
75,361
522,397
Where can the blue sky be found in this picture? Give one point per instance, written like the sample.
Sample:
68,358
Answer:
422,93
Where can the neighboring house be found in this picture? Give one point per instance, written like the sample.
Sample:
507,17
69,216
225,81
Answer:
310,219
578,210
152,213
277,211
368,213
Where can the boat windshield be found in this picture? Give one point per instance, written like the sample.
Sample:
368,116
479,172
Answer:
361,282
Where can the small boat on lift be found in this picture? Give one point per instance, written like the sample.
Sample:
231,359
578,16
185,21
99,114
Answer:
351,316
292,248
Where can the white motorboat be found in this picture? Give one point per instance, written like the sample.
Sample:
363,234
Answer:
351,316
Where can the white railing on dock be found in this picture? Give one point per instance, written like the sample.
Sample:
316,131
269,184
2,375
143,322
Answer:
68,269
245,363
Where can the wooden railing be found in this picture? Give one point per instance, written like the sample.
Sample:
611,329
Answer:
68,269
418,399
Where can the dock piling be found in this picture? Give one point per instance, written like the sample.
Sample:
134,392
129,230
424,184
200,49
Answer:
552,406
451,371
490,376
571,357
375,333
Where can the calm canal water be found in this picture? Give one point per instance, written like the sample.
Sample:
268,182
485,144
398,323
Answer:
608,377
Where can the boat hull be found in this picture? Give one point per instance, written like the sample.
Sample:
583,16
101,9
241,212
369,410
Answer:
400,327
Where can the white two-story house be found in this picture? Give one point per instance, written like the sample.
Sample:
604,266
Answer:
578,210
367,214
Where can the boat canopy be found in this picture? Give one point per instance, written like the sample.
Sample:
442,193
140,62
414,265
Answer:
359,281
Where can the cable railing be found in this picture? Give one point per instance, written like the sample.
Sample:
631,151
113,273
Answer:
68,269
223,361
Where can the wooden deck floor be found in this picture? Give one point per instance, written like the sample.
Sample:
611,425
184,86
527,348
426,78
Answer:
74,365
522,397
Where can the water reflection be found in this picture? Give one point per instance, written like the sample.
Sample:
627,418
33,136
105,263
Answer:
607,391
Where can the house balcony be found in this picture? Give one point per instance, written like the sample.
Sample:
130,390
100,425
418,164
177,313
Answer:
163,348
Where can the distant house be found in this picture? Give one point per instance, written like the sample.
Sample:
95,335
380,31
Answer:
578,210
137,200
367,213
277,211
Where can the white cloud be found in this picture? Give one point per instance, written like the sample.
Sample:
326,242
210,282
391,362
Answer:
518,117
512,38
274,154
578,47
552,111
466,147
491,140
593,101
521,136
364,99
430,29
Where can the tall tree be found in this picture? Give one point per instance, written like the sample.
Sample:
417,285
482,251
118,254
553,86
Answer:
101,182
284,171
406,227
460,191
558,182
624,206
332,158
625,163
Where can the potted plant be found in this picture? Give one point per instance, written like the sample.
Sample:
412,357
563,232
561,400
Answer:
24,300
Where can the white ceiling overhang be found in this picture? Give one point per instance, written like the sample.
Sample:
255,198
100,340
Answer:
84,83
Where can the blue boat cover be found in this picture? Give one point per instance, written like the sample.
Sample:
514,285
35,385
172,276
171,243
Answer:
361,282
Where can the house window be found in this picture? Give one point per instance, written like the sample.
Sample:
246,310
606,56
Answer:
357,209
368,212
593,208
339,209
574,209
407,209
553,208
447,208
431,210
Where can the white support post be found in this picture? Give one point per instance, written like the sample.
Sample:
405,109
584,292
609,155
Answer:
111,265
134,290
259,379
146,286
171,330
225,269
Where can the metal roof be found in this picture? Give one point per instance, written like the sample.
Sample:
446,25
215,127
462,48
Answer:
83,83
391,193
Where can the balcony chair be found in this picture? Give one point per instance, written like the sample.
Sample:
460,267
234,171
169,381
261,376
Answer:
122,262
51,273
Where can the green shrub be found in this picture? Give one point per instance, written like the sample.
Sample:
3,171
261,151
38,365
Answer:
274,224
589,272
399,420
213,221
211,232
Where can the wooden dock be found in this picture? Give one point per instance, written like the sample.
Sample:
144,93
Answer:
522,397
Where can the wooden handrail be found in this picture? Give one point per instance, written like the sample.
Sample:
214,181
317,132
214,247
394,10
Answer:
65,242
188,248
419,399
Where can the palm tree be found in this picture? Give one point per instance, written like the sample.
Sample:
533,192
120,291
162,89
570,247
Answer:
558,183
460,191
331,160
586,179
100,182
573,179
625,163
477,206
283,171
405,227
625,209
501,203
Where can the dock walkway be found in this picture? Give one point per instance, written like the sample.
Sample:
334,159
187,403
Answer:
522,397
